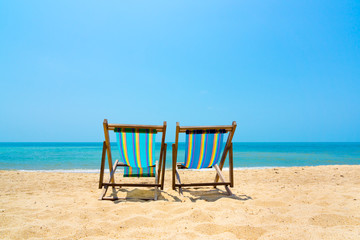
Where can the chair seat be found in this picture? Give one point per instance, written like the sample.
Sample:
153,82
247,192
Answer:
139,172
182,166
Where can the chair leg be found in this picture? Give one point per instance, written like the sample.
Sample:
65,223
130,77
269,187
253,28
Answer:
102,167
102,197
103,193
163,168
156,180
222,179
178,178
231,166
173,167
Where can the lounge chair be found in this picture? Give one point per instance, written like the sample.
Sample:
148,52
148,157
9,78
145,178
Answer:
136,144
204,148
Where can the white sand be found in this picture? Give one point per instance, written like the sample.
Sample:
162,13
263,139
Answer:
286,203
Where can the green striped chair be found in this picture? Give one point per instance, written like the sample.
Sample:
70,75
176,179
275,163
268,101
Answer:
204,148
136,144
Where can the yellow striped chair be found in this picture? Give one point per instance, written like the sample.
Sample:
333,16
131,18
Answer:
136,144
204,148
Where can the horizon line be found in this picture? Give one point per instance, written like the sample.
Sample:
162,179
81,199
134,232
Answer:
233,142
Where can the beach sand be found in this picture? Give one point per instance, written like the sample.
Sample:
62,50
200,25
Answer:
279,203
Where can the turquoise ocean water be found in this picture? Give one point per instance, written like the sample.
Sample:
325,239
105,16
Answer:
85,157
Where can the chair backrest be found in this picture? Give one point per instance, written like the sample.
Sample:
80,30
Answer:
204,146
136,143
136,146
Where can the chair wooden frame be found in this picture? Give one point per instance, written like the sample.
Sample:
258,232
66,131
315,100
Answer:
218,168
160,165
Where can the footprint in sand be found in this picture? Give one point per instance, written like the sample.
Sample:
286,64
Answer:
196,215
270,203
243,232
140,221
331,220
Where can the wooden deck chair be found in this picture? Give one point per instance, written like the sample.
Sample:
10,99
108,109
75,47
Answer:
136,144
204,148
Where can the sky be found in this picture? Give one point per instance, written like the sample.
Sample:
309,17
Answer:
285,71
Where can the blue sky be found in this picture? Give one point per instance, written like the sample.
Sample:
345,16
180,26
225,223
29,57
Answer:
284,70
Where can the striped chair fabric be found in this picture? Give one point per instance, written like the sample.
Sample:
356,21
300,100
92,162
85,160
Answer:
203,148
139,172
137,150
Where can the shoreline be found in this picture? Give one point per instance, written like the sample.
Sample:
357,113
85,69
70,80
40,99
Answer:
167,169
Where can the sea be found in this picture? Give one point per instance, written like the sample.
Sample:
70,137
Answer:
86,157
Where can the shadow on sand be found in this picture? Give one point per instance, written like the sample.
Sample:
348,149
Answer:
193,194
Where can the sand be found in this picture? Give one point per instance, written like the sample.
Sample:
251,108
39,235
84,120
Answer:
282,203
